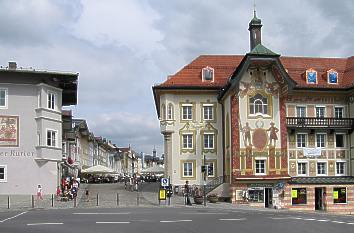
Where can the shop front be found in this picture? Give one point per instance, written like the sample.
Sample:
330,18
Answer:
332,194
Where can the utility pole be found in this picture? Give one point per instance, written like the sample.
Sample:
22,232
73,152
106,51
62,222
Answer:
205,172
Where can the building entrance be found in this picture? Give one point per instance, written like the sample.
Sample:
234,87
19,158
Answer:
318,198
268,197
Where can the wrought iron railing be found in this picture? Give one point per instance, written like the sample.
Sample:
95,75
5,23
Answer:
214,183
328,122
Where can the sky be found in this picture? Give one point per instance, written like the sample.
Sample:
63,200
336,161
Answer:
121,48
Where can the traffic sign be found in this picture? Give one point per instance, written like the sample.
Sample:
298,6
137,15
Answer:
165,182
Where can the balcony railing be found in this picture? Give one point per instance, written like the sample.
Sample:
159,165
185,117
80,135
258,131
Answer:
314,122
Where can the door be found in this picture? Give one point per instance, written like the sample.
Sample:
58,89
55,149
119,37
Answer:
318,198
268,197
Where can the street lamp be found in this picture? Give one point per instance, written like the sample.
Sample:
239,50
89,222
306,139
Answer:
204,175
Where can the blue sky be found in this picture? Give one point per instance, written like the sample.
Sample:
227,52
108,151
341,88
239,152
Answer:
121,48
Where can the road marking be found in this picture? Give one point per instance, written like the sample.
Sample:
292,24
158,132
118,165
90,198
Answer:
232,219
323,220
297,218
309,219
12,217
167,221
279,218
194,213
350,223
101,213
45,223
112,222
337,222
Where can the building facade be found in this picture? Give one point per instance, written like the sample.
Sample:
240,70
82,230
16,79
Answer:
31,127
276,130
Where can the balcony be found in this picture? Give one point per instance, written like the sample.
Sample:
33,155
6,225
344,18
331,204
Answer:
314,122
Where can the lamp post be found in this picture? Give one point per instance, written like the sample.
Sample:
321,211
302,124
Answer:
204,175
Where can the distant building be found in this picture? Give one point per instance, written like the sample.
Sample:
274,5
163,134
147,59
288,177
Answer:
31,127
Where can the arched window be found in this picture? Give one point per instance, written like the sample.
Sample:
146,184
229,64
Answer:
258,104
163,112
170,112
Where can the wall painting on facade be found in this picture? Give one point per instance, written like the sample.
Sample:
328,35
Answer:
9,131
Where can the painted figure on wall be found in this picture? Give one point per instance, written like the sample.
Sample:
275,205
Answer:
273,134
246,131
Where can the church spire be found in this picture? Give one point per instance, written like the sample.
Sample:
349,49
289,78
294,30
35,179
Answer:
255,29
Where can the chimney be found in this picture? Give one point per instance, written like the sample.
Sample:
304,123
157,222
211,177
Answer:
255,31
12,65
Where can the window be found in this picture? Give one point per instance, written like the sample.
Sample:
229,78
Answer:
208,73
210,169
188,169
311,76
300,111
340,168
321,168
3,98
51,100
301,168
338,112
332,76
208,141
3,176
340,195
187,141
256,195
298,196
163,112
170,112
51,138
260,167
301,140
339,140
320,140
187,112
208,112
258,104
320,112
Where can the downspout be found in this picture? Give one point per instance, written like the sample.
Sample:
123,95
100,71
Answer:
350,145
223,141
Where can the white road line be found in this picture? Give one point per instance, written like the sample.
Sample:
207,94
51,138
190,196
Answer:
309,219
45,223
350,223
112,222
196,213
101,213
298,218
167,221
337,222
12,217
280,218
323,220
232,219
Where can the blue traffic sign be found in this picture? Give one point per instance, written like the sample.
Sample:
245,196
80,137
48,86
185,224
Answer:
164,182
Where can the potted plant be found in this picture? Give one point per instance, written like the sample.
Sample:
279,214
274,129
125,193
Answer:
213,198
198,200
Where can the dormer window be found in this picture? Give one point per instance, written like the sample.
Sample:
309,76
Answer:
208,74
258,104
332,76
311,76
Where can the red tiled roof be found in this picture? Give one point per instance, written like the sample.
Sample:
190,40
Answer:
225,65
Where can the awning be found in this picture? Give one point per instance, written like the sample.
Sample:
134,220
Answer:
155,169
98,169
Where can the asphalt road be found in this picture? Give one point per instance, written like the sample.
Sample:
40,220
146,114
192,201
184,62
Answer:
172,220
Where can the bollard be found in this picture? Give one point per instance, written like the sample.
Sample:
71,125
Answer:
8,202
117,199
97,203
137,198
52,200
74,202
32,201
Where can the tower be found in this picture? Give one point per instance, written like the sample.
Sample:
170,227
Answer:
255,31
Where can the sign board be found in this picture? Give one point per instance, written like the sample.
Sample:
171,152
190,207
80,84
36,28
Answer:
162,194
335,195
165,182
312,152
294,193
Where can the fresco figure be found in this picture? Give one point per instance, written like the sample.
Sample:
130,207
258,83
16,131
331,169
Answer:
273,134
246,130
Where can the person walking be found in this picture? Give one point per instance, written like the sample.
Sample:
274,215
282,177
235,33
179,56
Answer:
39,193
187,200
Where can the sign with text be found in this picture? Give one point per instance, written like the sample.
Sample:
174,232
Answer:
294,193
9,134
335,195
312,152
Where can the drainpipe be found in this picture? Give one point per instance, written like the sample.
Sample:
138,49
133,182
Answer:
223,142
350,146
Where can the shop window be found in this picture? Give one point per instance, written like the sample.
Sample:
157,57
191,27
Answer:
339,195
298,196
256,195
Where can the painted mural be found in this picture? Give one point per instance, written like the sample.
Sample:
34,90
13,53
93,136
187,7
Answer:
9,131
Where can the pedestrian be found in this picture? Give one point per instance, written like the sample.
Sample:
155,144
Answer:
39,192
58,193
87,195
125,182
187,201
